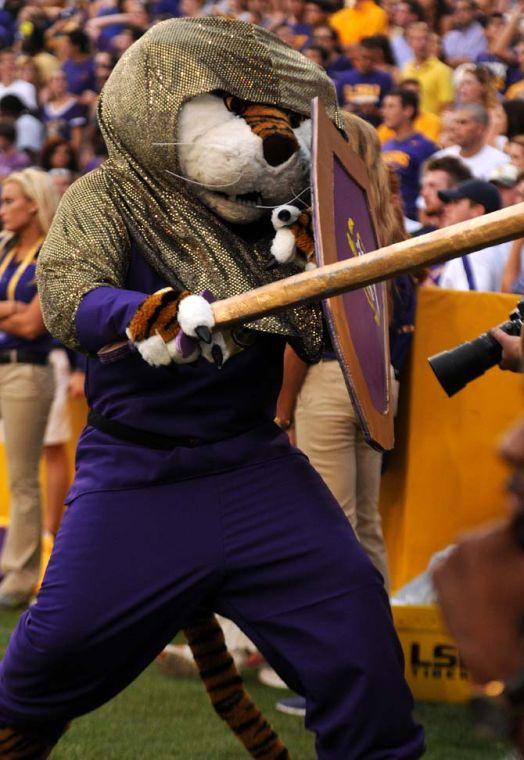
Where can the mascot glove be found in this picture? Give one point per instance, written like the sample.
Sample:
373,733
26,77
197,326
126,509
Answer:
293,241
177,327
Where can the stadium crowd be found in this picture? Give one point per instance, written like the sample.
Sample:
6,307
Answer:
441,82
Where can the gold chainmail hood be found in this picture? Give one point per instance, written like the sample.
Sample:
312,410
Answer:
131,193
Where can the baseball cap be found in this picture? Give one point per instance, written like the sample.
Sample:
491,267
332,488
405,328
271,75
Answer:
505,175
477,191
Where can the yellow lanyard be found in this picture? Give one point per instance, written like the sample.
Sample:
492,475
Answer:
28,259
7,259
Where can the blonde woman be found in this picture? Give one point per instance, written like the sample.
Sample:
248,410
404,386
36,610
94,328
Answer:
28,203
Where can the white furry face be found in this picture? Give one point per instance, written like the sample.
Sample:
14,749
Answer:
224,160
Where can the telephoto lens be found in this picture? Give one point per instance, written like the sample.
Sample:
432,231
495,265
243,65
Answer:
455,368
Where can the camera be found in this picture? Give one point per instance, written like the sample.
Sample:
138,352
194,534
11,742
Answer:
457,367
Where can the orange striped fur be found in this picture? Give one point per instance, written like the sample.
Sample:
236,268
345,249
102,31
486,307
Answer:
303,232
157,316
15,745
227,693
264,120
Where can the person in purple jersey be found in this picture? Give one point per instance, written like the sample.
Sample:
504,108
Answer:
326,37
187,496
11,159
63,115
362,89
78,65
406,152
29,201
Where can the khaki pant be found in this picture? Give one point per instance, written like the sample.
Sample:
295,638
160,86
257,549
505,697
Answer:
328,433
26,393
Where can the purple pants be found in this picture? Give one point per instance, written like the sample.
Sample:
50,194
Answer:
264,544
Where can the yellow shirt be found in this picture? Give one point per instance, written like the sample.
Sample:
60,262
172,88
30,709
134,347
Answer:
436,82
428,124
364,20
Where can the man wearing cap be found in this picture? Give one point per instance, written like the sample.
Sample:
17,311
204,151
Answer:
504,178
481,270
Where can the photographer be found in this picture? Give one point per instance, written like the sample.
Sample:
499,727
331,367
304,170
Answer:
480,585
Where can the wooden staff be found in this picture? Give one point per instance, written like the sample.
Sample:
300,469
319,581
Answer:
399,258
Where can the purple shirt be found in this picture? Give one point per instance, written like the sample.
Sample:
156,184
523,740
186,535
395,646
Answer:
13,162
406,157
80,76
25,291
229,412
105,38
355,89
60,121
514,75
170,400
465,43
339,65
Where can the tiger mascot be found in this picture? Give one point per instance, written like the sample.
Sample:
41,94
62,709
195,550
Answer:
187,498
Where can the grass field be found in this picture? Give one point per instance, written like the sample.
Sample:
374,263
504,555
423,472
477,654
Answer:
158,719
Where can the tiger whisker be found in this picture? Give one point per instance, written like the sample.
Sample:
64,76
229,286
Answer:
299,199
286,203
201,184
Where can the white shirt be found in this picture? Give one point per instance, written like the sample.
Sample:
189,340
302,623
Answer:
482,164
487,267
23,90
30,133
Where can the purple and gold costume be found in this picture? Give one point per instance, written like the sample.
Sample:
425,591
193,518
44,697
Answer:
238,521
231,518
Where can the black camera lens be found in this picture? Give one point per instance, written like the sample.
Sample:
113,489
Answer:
457,367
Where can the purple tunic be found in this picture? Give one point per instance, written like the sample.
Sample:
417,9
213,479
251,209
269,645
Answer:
228,413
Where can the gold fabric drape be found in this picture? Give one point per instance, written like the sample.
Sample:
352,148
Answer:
88,244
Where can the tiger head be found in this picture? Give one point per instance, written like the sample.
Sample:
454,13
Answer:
241,159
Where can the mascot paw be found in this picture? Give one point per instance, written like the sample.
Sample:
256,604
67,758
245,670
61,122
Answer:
195,317
154,325
177,327
293,241
154,351
219,350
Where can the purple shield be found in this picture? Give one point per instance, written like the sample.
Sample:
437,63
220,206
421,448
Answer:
357,320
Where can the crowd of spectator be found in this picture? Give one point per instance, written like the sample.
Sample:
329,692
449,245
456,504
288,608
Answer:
437,78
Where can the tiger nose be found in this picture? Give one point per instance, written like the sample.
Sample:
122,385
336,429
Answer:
278,149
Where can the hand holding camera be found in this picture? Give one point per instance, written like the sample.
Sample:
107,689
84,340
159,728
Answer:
457,367
511,350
